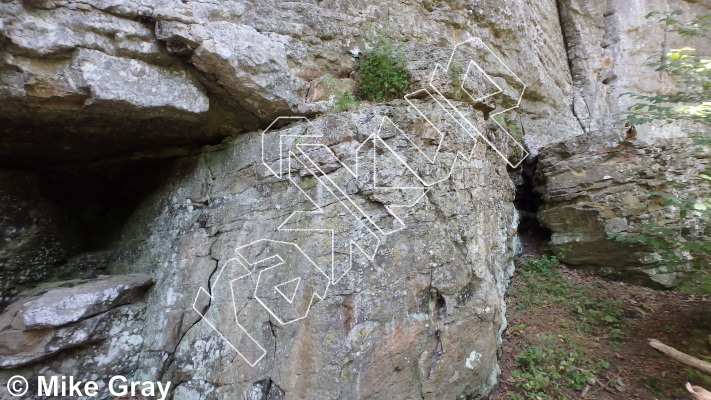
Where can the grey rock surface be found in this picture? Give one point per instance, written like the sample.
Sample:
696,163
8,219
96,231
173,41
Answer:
421,320
250,66
595,185
36,236
609,46
126,82
143,89
256,60
67,315
61,307
253,60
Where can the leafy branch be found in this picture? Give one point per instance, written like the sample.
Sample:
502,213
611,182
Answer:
693,102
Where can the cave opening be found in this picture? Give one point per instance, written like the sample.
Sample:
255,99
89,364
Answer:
529,202
101,198
59,222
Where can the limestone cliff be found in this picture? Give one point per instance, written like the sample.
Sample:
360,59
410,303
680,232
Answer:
133,137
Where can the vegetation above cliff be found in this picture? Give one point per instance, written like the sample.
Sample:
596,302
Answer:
381,71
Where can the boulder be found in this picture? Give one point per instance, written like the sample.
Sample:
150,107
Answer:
421,320
598,184
249,66
67,315
139,88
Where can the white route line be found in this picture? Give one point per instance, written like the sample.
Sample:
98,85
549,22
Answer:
281,262
203,292
293,294
302,158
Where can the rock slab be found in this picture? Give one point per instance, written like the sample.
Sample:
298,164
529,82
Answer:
67,315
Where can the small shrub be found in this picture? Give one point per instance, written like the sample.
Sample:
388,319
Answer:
515,152
381,71
345,101
515,131
543,368
340,95
511,126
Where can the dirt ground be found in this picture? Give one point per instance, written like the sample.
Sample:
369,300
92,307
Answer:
636,371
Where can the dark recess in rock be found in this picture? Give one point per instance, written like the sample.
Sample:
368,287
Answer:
85,207
265,390
528,201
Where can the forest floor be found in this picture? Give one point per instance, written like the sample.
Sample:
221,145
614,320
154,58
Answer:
573,335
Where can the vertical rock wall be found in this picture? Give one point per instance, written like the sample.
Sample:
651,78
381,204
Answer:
609,45
100,86
421,320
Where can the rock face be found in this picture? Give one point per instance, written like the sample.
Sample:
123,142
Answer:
609,45
595,185
64,317
104,93
36,235
110,80
195,72
421,320
251,67
214,71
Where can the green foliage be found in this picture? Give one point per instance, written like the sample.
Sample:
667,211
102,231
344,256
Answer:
693,103
514,130
515,152
694,375
544,369
455,76
345,101
342,98
654,384
700,27
678,249
511,126
544,282
381,71
555,366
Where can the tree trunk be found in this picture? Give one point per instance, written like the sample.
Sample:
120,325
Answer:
682,357
698,392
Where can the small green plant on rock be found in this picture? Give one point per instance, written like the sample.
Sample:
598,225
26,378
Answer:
381,71
512,127
345,101
340,95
